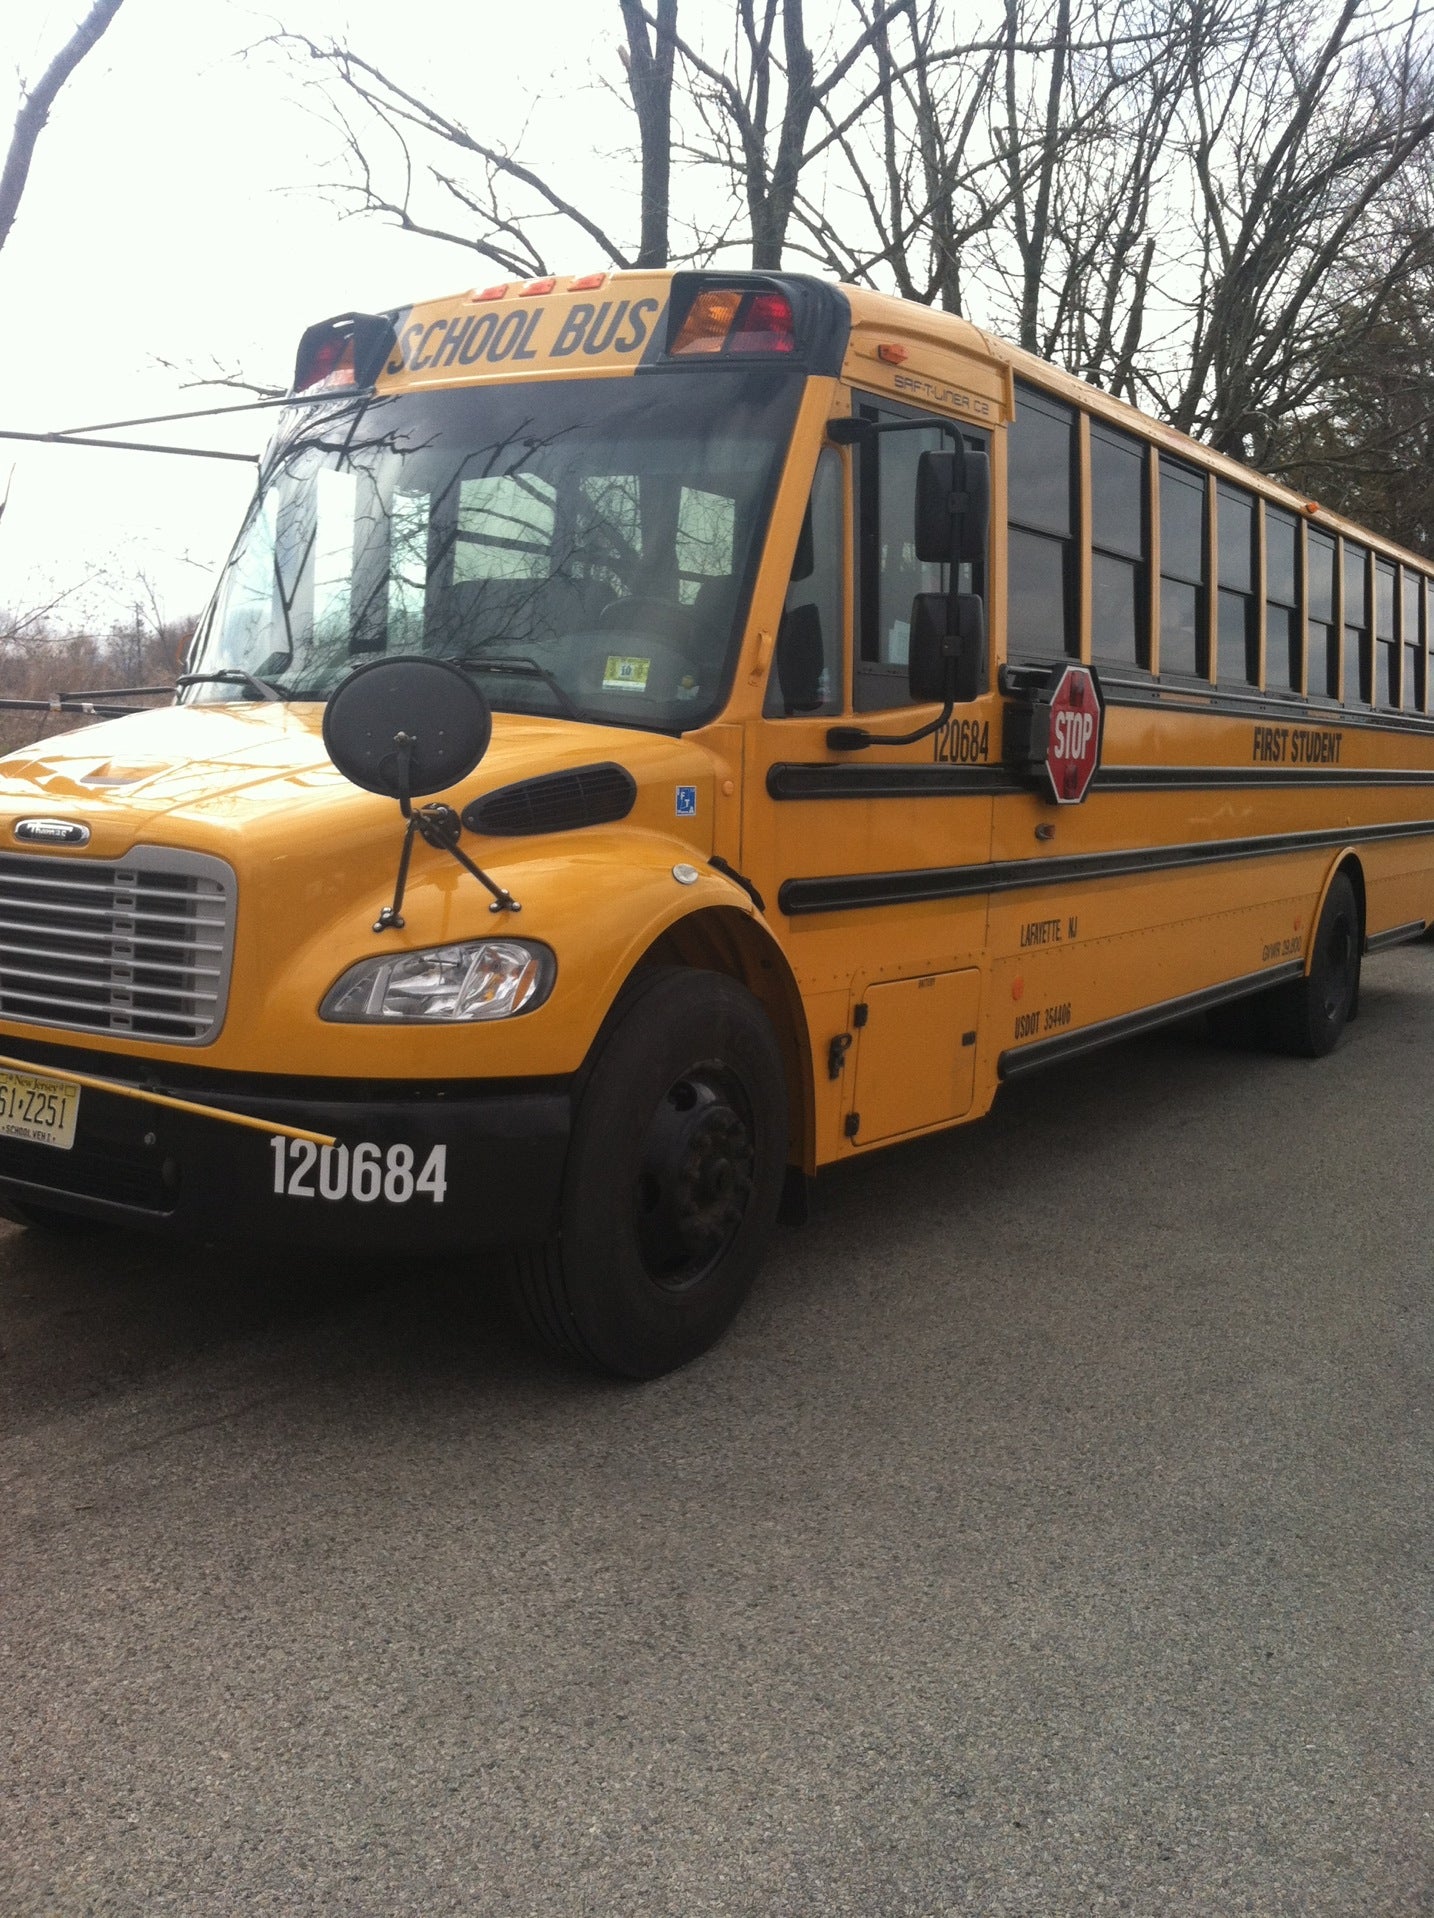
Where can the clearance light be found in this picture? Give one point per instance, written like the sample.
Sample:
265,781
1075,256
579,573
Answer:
491,293
589,283
892,354
527,291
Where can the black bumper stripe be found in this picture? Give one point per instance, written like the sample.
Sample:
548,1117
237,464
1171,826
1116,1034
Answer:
858,891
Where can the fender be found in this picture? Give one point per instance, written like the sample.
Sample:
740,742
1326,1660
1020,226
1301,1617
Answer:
1348,855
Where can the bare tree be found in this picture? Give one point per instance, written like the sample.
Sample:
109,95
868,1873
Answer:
403,149
1208,206
35,105
647,60
1301,139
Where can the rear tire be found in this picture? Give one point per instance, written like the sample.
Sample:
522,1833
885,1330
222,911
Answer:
1307,1016
673,1180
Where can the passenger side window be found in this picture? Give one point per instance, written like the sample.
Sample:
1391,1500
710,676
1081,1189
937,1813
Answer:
1283,663
806,672
1238,637
1356,624
1413,682
1324,643
1182,569
1386,647
1040,527
1118,624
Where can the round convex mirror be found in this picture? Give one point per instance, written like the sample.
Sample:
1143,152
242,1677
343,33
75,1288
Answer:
407,726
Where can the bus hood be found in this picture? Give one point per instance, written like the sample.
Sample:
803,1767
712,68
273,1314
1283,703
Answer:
201,775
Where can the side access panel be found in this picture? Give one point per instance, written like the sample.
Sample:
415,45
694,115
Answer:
916,1054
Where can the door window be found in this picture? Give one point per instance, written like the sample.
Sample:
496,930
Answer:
806,672
889,575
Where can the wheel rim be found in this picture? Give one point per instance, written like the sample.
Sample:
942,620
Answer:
1340,960
695,1174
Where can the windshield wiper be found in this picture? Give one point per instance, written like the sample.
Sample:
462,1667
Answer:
518,668
232,676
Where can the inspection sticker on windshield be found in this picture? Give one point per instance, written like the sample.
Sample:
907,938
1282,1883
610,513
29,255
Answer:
43,1111
625,675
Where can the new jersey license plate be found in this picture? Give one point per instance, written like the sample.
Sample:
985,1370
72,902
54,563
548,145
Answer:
42,1111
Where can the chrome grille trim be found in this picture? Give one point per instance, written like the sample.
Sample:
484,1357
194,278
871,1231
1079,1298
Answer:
140,946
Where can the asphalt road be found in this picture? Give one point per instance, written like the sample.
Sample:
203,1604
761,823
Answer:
1051,1537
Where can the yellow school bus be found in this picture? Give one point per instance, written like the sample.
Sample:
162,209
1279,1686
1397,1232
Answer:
658,735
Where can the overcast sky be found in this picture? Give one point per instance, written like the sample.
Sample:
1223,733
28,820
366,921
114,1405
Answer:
174,213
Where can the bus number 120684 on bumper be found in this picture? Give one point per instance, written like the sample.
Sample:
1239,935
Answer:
303,1170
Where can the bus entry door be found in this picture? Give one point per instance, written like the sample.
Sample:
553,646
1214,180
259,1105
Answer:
916,1054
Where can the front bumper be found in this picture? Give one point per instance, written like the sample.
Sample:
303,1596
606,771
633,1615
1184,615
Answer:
418,1168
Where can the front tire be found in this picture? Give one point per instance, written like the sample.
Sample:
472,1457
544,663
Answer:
673,1180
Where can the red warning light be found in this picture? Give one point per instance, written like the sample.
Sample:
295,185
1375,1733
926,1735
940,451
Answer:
765,327
330,363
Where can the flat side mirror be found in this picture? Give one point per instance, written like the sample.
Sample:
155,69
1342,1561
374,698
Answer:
940,481
800,659
926,657
407,726
953,506
976,520
941,664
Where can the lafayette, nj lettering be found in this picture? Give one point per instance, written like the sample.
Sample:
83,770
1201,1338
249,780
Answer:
1047,932
618,326
1296,746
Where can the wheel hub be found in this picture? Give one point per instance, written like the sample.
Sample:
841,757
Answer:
695,1180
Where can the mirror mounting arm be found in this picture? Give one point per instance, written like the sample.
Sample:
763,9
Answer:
852,739
439,827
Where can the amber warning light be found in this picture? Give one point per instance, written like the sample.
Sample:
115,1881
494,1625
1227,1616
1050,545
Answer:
728,319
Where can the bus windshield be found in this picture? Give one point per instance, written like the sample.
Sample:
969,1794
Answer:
586,545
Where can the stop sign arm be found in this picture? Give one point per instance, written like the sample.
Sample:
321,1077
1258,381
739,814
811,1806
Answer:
1054,727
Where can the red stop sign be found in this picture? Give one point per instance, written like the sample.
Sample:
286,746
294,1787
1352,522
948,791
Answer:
1073,730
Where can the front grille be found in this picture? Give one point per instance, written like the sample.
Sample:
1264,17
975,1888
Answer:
139,946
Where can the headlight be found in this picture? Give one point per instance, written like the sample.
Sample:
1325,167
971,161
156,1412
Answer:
482,979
